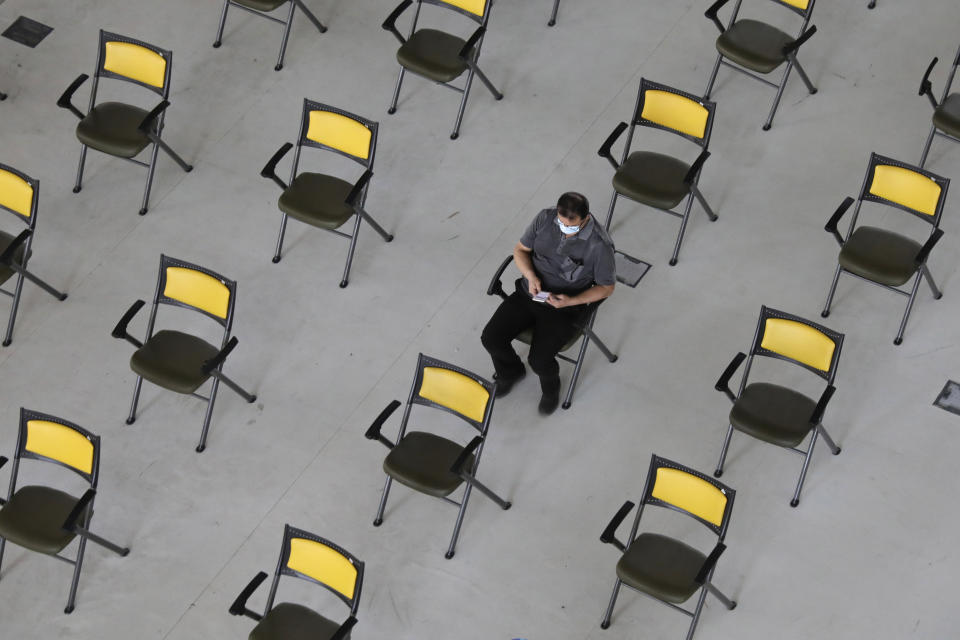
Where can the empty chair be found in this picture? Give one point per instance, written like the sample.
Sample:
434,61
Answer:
263,8
946,113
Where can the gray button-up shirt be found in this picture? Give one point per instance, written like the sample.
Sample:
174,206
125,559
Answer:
569,264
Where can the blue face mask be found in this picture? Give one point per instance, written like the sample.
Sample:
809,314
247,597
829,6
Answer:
564,229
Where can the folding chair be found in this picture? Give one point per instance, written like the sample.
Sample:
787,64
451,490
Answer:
262,8
180,361
314,559
946,113
883,257
776,414
321,200
655,179
553,14
430,463
120,129
584,335
44,519
18,195
752,46
440,56
664,568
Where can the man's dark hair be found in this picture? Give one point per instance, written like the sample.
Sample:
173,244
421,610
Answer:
573,205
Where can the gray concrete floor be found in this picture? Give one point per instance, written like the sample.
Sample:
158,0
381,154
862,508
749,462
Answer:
870,551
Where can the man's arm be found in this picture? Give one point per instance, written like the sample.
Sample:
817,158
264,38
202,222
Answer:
522,257
595,293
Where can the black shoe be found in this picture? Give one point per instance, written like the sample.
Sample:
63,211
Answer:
504,385
549,403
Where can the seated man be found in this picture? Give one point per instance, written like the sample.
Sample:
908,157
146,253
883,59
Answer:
566,259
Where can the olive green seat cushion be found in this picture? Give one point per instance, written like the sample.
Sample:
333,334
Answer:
662,567
422,461
653,179
111,127
433,54
526,337
880,255
6,272
262,5
754,45
173,360
773,413
34,516
287,621
947,115
318,200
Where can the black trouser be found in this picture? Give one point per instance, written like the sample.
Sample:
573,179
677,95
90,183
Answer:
552,328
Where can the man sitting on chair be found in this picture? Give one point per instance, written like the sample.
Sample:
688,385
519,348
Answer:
566,259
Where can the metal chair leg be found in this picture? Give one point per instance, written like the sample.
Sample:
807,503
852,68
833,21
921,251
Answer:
223,21
8,338
727,602
703,203
173,154
150,171
283,229
136,397
383,502
906,313
723,452
605,623
803,76
696,613
312,18
456,528
806,465
553,15
3,544
937,294
353,245
683,228
834,448
209,414
40,283
463,104
233,386
486,82
776,100
926,146
83,158
576,371
286,36
833,289
613,203
713,77
396,92
387,237
76,576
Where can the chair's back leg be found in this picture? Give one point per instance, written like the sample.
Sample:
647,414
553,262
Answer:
723,452
463,104
806,465
283,229
223,21
83,158
208,415
8,338
937,294
132,416
150,170
383,502
683,229
553,15
926,146
605,623
353,245
833,289
396,92
776,100
696,613
713,77
286,36
576,371
906,313
456,528
76,575
613,204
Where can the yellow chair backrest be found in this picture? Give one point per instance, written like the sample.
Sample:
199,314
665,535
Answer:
691,494
135,62
476,7
198,290
340,132
61,443
799,4
323,564
16,193
906,188
675,112
455,391
799,341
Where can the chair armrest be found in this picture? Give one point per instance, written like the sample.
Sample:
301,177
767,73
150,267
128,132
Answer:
7,256
120,331
926,88
213,363
822,405
723,384
709,563
70,523
146,124
344,629
496,286
457,466
471,42
64,102
390,23
604,151
712,13
696,167
270,170
793,46
831,225
3,461
373,433
609,535
239,606
358,188
928,246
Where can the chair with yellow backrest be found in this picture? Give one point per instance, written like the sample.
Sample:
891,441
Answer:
662,567
45,519
655,179
319,199
429,463
884,257
120,129
774,413
262,8
946,113
440,56
180,361
753,47
314,559
18,195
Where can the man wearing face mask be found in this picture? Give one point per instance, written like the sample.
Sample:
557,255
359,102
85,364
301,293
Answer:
566,259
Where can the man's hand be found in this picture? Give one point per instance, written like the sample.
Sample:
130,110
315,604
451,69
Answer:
558,300
533,284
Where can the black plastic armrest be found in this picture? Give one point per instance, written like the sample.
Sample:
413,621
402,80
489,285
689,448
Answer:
695,167
373,433
358,188
213,363
793,46
709,563
822,405
239,606
146,125
831,225
723,384
496,286
926,88
928,246
344,629
7,256
70,523
471,43
270,170
609,535
457,466
604,151
120,331
390,23
64,102
712,13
